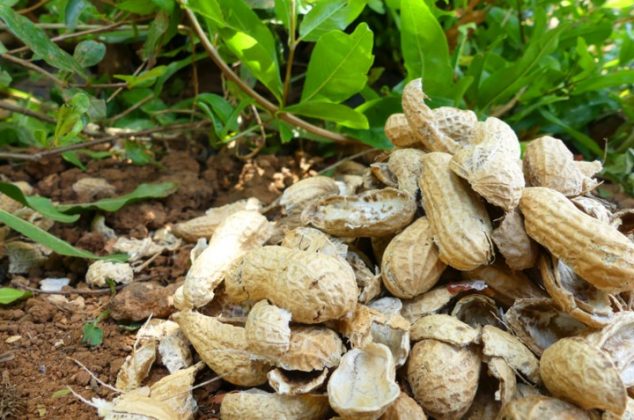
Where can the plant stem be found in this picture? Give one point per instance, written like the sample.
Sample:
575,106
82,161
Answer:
519,21
25,111
262,101
31,66
292,44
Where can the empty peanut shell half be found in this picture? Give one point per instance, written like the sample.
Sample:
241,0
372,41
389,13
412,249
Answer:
398,131
371,213
444,328
296,382
312,349
518,249
477,310
136,366
406,165
506,285
541,407
303,192
364,385
499,343
267,330
259,405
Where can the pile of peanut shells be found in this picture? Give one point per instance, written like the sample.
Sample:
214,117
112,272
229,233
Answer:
451,280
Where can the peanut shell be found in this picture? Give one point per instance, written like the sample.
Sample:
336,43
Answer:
175,390
500,370
444,328
267,330
499,343
312,349
398,131
313,240
508,286
541,407
100,271
136,366
406,165
296,383
312,287
436,299
596,251
404,408
382,172
617,340
518,249
303,192
477,310
371,213
259,405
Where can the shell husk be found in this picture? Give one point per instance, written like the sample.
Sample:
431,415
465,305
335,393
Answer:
436,299
259,405
267,330
312,349
477,310
398,131
541,407
136,366
499,343
296,383
404,408
303,192
506,285
520,252
445,328
500,370
100,271
310,239
406,165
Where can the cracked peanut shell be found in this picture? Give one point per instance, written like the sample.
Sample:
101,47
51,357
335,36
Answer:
259,405
267,330
520,252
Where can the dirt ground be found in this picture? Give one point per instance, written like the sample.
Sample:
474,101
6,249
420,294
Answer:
40,339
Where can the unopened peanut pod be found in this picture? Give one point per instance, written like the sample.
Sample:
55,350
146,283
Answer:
443,377
596,251
313,287
303,192
398,131
477,310
136,366
259,405
175,390
364,385
577,371
371,213
368,282
205,226
459,221
100,271
518,249
541,407
224,348
406,165
505,375
311,349
295,382
574,295
539,323
411,264
436,299
238,233
548,163
444,328
310,239
368,325
404,408
267,330
617,340
499,343
382,172
594,206
492,165
506,285
443,130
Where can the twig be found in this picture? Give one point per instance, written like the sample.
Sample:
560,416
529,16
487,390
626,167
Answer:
118,91
262,101
25,111
100,85
71,292
33,67
33,7
102,383
292,44
132,108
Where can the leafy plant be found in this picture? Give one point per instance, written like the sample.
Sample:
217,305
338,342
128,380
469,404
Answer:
92,333
9,295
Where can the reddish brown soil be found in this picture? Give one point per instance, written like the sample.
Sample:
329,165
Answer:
40,339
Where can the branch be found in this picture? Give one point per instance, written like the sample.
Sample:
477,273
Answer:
262,101
31,66
25,111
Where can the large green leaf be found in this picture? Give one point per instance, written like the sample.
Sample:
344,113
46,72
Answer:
42,205
142,192
283,11
9,295
246,36
54,243
70,118
424,48
340,114
37,40
602,81
339,65
89,52
327,15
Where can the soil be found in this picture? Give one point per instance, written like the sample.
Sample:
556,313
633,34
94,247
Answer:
41,338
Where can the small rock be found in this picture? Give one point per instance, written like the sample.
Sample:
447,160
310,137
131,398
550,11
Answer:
54,284
137,301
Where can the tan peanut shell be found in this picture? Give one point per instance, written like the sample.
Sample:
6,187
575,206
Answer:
398,131
406,165
303,192
205,226
492,165
404,408
371,213
581,373
507,285
436,299
593,206
224,348
313,240
382,172
574,295
238,233
539,323
136,366
444,328
459,124
364,385
259,405
477,310
596,251
267,330
368,282
136,405
520,252
500,370
387,305
175,390
458,219
312,349
296,383
411,264
548,163
312,287
100,272
89,188
499,343
541,407
443,378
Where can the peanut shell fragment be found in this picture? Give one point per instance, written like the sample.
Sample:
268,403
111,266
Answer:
312,349
518,249
267,330
404,408
541,407
499,343
398,131
259,405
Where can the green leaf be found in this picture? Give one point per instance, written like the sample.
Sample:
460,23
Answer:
54,243
5,78
92,334
283,10
142,192
42,205
139,7
37,40
246,37
145,79
72,12
327,15
165,5
614,79
157,29
89,52
61,393
425,49
9,295
73,157
339,65
340,114
70,119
